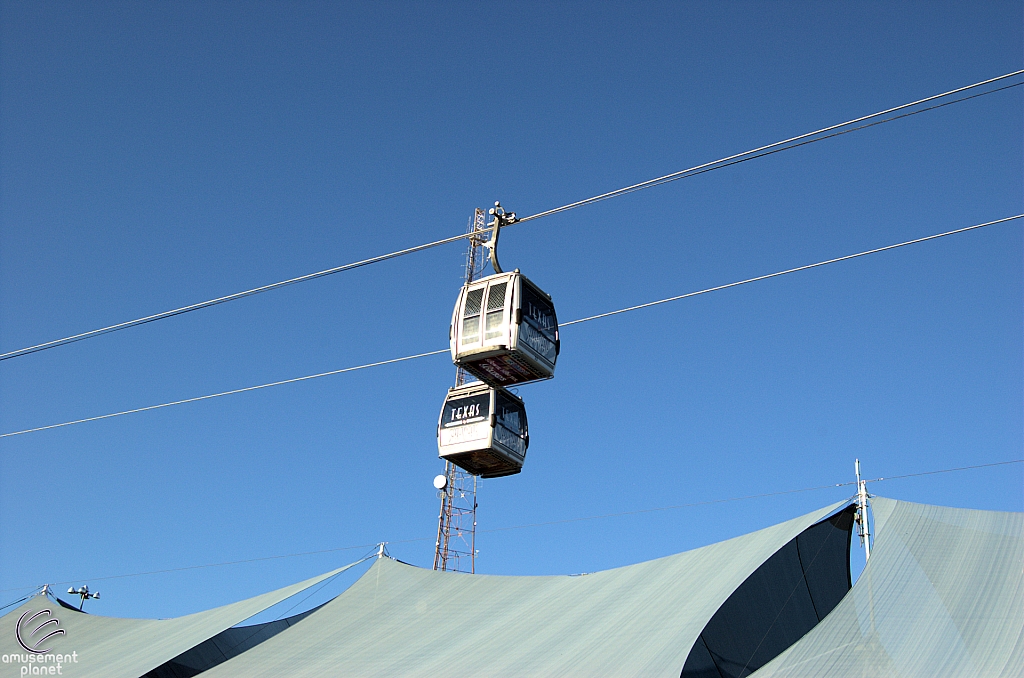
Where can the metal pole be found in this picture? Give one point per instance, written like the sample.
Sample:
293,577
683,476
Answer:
863,519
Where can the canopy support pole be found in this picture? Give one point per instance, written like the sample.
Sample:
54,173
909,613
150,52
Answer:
862,518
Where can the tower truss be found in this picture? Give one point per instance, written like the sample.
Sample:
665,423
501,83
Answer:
455,549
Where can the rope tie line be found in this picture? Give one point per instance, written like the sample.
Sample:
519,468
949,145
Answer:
528,525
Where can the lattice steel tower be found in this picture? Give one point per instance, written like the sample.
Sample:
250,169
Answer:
455,549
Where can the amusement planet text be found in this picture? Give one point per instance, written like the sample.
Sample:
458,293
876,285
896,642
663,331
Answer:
40,664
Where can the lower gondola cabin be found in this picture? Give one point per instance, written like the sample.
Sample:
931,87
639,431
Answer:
483,430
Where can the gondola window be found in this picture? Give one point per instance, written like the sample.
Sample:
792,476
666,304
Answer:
471,317
495,312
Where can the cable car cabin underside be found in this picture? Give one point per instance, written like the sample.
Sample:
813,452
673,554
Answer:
504,330
483,430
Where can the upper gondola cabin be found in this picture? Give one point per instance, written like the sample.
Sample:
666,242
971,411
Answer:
504,330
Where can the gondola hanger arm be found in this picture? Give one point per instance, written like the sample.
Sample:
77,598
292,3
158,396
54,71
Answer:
501,219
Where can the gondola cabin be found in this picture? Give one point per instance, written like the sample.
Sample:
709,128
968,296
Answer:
504,330
483,430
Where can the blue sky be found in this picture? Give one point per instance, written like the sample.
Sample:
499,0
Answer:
158,154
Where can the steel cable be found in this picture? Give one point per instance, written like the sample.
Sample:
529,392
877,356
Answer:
786,144
565,324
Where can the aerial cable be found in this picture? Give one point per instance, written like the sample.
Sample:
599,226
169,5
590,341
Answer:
749,496
230,297
231,392
525,526
786,144
565,324
943,470
23,598
788,271
222,564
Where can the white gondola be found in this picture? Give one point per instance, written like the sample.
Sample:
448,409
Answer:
504,330
483,430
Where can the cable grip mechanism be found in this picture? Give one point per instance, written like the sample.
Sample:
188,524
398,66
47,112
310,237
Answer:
501,219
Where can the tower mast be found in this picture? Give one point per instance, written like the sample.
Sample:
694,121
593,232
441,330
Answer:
455,548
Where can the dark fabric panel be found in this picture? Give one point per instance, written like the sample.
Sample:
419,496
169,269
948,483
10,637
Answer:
770,611
822,558
203,656
223,646
68,606
699,663
172,669
238,640
780,602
